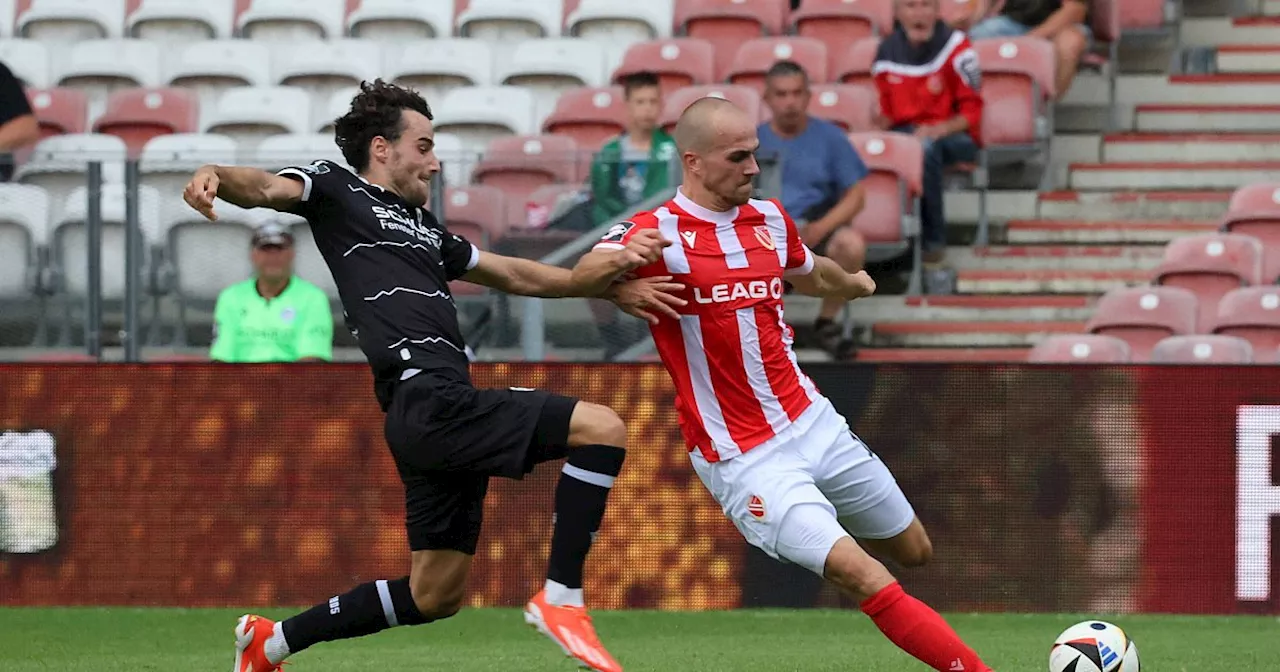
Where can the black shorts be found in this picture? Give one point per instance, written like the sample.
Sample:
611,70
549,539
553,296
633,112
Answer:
448,438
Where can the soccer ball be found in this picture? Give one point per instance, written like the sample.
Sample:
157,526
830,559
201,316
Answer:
1093,646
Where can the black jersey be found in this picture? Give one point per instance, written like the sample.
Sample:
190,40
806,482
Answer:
392,263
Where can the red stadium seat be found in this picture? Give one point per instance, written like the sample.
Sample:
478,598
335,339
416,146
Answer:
755,57
477,213
837,23
1080,349
1017,83
744,97
1210,266
59,110
590,115
536,210
1202,349
1254,210
1252,313
678,62
853,64
1141,316
728,24
889,223
852,108
518,165
137,115
1141,15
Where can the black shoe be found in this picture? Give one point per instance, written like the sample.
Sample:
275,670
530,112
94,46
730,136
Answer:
830,338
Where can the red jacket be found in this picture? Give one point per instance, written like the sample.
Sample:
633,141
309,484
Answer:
931,83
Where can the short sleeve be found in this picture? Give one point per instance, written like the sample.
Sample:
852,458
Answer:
315,334
617,237
459,255
847,166
223,349
799,257
13,101
322,181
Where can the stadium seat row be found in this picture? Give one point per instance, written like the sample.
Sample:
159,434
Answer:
1192,349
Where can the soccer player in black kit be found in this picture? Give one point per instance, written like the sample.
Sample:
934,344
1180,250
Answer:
392,261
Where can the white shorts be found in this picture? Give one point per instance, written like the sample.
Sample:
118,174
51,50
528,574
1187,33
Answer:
795,498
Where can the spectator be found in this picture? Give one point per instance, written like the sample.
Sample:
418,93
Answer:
274,316
637,164
928,78
1062,22
821,182
18,126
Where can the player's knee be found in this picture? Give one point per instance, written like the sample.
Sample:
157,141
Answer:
594,424
437,605
917,554
855,571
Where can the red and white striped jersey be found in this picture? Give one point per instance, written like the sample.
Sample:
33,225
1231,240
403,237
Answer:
737,381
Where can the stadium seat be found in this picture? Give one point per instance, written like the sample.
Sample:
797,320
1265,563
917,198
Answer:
206,257
755,57
7,15
436,67
292,20
853,65
851,107
839,23
401,20
455,161
324,69
1017,83
890,220
1202,349
619,21
1210,266
331,108
1252,313
1080,349
24,227
541,205
69,241
510,21
963,14
101,67
589,115
519,165
1254,210
168,162
28,60
59,111
137,115
181,20
742,96
678,62
58,164
280,151
727,25
1141,316
476,212
479,114
249,114
548,68
211,67
67,21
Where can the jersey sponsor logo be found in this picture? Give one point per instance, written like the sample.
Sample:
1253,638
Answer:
765,238
724,293
317,168
755,507
288,315
966,65
392,219
618,233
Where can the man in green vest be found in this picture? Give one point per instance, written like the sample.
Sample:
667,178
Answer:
637,164
274,316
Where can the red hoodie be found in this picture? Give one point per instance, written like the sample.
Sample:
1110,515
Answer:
931,83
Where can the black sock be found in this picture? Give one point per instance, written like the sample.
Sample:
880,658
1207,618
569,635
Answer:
580,499
822,322
368,608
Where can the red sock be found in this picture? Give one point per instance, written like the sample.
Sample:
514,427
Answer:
920,631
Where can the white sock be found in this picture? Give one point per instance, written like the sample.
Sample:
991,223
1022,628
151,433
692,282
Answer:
561,595
275,647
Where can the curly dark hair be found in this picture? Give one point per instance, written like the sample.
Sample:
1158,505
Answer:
375,111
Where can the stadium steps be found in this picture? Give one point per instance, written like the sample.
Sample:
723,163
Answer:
1133,205
1047,281
968,333
1182,147
1244,30
1055,257
1242,58
899,355
1200,118
1168,175
955,308
1050,231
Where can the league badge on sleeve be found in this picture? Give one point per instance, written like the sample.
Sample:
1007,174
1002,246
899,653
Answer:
618,233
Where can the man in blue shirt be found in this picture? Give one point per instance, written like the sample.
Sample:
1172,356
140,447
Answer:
821,182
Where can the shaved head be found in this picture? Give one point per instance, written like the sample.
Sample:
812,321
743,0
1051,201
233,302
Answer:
717,143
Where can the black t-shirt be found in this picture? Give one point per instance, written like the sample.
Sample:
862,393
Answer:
392,263
13,104
1031,12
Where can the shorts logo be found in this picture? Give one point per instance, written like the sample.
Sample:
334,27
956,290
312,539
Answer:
765,238
755,507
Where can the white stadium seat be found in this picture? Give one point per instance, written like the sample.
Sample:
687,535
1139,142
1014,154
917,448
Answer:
72,20
6,18
59,164
622,22
182,20
250,113
29,61
290,20
24,226
511,20
457,162
548,68
478,114
399,20
337,105
168,161
280,151
208,256
321,69
213,66
102,67
70,242
436,67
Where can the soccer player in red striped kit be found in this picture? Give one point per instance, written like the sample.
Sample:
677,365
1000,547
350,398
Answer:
774,452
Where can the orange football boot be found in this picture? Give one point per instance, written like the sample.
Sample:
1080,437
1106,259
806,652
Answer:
252,633
571,629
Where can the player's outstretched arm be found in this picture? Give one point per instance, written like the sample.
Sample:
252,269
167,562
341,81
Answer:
827,280
245,187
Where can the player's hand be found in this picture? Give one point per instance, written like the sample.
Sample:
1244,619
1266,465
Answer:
201,191
644,248
643,297
860,286
931,131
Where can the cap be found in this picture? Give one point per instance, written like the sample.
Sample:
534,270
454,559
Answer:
272,233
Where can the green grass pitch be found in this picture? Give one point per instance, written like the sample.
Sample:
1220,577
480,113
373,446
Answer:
110,640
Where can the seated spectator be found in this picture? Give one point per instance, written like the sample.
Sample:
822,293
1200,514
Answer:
1063,22
637,164
273,316
18,126
821,182
928,78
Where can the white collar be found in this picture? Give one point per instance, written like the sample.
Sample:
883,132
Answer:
700,212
